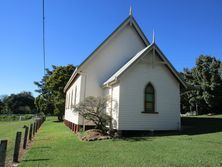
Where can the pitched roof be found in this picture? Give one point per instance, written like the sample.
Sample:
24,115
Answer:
129,20
126,66
119,72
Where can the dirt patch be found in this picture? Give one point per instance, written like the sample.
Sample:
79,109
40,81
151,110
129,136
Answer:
92,135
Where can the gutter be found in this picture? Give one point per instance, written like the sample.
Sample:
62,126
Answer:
110,83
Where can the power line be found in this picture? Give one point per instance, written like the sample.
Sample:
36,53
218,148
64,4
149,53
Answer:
43,33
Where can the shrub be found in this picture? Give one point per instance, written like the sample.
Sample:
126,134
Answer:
94,109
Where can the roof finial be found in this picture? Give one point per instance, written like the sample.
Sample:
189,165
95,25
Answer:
130,11
153,37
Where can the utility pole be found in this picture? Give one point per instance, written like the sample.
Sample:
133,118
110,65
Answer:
43,34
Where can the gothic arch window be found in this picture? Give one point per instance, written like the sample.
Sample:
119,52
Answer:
149,98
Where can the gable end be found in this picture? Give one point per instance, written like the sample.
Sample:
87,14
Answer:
129,20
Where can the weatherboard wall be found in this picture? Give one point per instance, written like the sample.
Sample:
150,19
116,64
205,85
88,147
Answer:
113,105
167,97
73,96
119,49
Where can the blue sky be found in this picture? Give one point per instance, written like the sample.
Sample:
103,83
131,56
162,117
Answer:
184,29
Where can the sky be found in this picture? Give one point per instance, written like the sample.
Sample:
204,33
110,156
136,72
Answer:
184,29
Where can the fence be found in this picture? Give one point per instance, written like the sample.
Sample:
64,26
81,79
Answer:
21,141
3,148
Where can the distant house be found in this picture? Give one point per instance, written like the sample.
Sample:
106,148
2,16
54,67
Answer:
136,74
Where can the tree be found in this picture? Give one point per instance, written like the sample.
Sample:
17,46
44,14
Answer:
21,103
44,105
44,102
52,97
205,86
4,109
94,109
1,106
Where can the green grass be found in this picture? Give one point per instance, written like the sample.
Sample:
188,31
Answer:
8,132
55,145
15,117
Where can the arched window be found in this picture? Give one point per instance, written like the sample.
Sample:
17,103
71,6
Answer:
149,99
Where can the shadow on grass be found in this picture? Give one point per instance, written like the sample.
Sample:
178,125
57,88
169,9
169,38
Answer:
28,160
190,126
138,138
195,125
57,121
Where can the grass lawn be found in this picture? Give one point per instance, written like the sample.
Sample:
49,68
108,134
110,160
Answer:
8,132
55,145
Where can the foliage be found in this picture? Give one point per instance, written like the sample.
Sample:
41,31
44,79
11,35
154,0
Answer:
205,86
52,98
21,103
41,115
1,106
44,104
94,109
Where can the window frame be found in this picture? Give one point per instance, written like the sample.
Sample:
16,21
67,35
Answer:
153,102
75,95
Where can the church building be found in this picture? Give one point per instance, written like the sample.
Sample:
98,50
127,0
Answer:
136,74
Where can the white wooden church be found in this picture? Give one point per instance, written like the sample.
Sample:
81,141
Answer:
136,74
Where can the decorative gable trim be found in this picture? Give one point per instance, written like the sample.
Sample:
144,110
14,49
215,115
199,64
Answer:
114,78
170,67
